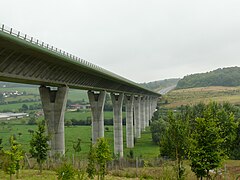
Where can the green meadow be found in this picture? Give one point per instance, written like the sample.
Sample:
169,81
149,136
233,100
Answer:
143,147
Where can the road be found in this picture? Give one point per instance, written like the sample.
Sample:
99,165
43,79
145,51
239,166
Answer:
166,90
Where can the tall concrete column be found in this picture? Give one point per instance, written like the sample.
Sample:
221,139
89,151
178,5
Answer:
142,114
117,101
154,105
129,120
146,111
150,108
137,118
54,105
97,104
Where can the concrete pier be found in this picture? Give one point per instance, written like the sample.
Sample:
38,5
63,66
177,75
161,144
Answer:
146,111
129,120
117,101
150,109
54,105
142,114
137,118
97,101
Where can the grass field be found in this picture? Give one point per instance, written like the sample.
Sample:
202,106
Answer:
144,146
191,96
15,107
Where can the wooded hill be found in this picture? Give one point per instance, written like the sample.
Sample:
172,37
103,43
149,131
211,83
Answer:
221,77
161,84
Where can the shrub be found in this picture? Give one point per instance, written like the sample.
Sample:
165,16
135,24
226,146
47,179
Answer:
66,172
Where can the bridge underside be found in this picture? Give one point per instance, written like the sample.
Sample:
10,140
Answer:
24,62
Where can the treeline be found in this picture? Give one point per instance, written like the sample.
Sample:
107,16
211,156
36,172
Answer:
221,77
88,122
205,134
156,85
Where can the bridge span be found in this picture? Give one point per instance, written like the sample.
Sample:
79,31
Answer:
24,59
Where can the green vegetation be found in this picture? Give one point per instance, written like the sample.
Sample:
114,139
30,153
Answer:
66,172
211,139
205,134
91,168
221,77
12,158
39,146
144,147
174,142
157,85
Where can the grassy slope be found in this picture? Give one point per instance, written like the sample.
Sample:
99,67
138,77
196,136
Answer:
204,94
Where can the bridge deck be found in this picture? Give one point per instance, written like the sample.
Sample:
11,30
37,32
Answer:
24,59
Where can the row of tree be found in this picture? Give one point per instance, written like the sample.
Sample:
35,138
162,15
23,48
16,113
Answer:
204,134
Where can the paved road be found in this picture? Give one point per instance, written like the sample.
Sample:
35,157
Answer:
166,90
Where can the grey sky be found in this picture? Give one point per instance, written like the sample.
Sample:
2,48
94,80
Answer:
142,40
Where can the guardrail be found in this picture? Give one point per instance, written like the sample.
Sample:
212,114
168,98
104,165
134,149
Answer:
35,41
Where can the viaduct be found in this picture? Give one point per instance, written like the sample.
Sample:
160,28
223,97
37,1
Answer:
24,59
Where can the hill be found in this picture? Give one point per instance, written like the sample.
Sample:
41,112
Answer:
221,77
191,96
161,84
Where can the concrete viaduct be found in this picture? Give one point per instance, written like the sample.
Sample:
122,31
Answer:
24,59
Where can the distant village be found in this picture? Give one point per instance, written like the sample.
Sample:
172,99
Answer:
12,93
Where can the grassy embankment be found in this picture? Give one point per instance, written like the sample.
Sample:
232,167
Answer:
192,96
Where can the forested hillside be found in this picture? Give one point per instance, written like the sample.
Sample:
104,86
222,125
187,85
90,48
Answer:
221,77
157,85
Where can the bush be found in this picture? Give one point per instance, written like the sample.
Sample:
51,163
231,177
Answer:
66,172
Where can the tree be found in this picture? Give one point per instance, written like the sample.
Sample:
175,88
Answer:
175,142
1,99
91,168
206,150
77,146
1,153
39,145
19,134
24,108
32,121
68,122
1,144
158,129
12,158
103,155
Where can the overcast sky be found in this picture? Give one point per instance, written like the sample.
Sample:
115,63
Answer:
142,40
